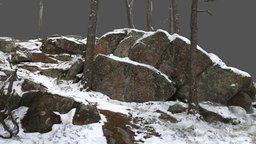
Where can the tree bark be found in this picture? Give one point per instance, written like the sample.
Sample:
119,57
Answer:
129,5
40,18
174,24
149,15
91,38
193,101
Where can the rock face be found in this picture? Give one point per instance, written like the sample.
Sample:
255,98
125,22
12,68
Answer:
60,45
129,82
170,54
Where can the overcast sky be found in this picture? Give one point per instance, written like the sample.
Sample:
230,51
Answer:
229,33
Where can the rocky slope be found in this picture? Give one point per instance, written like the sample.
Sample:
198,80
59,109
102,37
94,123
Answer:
137,73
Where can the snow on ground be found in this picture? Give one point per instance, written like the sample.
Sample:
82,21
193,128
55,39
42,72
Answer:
152,130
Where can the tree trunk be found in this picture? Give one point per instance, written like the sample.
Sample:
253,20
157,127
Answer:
174,24
149,15
193,101
129,5
91,37
40,18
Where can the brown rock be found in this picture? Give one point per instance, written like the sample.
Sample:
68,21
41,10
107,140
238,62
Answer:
27,56
108,43
128,82
60,45
241,99
166,117
86,114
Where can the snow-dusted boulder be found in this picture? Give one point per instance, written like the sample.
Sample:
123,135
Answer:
45,109
170,54
62,44
125,80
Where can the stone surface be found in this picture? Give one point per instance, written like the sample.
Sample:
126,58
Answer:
76,68
128,82
126,44
86,114
177,108
7,44
29,85
167,117
47,101
210,116
241,99
54,73
27,56
108,43
61,45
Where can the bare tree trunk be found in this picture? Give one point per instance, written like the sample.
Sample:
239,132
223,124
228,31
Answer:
91,38
40,18
174,24
129,5
193,101
149,15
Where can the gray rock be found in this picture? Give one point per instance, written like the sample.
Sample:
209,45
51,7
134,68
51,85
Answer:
7,44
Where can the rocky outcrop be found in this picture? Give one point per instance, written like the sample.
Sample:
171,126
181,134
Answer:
241,99
60,45
29,85
130,82
170,55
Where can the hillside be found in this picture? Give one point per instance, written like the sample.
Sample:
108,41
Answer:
140,92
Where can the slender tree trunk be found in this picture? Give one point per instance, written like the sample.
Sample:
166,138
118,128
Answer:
129,5
91,37
40,18
193,101
174,24
149,15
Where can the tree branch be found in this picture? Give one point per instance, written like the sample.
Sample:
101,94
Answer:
206,11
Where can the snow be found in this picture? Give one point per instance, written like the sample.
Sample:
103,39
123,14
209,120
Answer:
30,45
75,40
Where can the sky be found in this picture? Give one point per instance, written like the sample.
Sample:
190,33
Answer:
229,33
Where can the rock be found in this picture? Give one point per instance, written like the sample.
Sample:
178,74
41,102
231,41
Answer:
177,108
62,45
117,128
108,43
166,117
47,101
63,57
28,85
7,44
75,69
220,85
241,99
86,114
28,56
54,73
14,101
170,57
39,119
210,116
29,67
128,82
126,44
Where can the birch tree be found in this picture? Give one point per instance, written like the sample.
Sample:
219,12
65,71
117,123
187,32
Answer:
129,5
40,18
149,15
174,24
91,37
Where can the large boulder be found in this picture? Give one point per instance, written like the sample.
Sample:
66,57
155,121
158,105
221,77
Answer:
125,81
60,45
7,44
29,85
170,54
241,99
